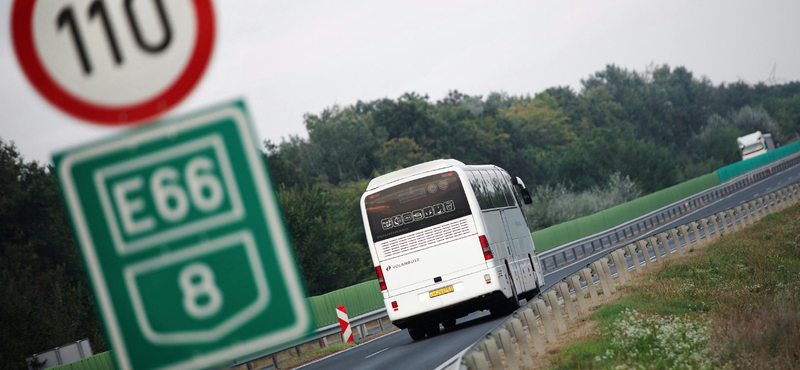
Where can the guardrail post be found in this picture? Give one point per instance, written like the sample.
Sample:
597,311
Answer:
686,241
533,329
654,244
587,278
490,347
575,283
744,208
724,221
745,214
515,326
751,206
709,227
781,194
604,263
541,310
508,350
673,233
477,361
623,264
552,300
733,220
771,202
601,276
634,257
763,211
618,266
662,237
645,253
564,290
795,193
696,232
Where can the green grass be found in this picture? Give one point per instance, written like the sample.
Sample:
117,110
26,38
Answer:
732,305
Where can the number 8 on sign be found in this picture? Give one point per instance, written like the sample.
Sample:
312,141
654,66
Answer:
197,284
113,61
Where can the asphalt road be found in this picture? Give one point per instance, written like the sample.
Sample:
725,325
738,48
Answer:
397,350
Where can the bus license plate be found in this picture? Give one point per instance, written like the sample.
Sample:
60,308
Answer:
440,291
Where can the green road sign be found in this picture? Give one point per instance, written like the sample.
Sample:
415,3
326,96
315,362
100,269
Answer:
183,242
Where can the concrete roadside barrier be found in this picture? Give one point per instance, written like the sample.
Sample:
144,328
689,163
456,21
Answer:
586,274
575,283
601,276
733,220
760,202
711,226
654,244
563,289
645,253
675,240
544,316
533,329
662,237
687,242
515,326
625,269
618,266
610,278
634,257
508,350
696,232
724,221
752,208
490,347
552,300
773,202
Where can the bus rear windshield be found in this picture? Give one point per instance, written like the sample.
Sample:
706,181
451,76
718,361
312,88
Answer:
415,205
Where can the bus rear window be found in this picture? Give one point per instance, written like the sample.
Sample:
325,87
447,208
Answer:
415,205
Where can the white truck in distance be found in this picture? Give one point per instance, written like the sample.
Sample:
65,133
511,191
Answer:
448,239
755,144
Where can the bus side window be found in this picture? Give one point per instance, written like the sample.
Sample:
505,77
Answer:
503,188
476,183
487,184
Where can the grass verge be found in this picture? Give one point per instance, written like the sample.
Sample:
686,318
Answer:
731,305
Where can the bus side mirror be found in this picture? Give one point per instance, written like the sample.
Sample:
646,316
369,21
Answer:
526,196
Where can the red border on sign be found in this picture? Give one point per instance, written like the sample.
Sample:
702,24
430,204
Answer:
22,36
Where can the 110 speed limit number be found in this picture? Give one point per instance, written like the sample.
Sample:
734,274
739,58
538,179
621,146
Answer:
113,61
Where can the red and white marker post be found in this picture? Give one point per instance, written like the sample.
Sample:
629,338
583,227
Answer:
344,323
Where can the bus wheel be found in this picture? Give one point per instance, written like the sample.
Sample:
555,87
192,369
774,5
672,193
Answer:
449,323
416,333
432,330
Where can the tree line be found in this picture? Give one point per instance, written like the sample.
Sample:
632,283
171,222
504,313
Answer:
621,134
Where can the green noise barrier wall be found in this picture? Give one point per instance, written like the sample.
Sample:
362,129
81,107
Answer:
741,167
100,361
566,232
357,299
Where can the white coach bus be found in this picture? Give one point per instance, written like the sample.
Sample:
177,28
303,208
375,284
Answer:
448,239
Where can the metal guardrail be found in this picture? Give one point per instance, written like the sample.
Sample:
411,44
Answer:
319,334
567,254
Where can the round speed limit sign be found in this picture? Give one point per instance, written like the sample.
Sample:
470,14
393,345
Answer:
113,61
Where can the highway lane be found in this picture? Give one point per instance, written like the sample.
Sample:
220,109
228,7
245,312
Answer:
399,351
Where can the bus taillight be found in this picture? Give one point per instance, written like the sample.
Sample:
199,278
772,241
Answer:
380,277
487,252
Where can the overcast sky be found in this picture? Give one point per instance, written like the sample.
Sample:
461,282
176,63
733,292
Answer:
293,57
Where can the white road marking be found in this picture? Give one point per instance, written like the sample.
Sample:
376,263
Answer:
377,352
